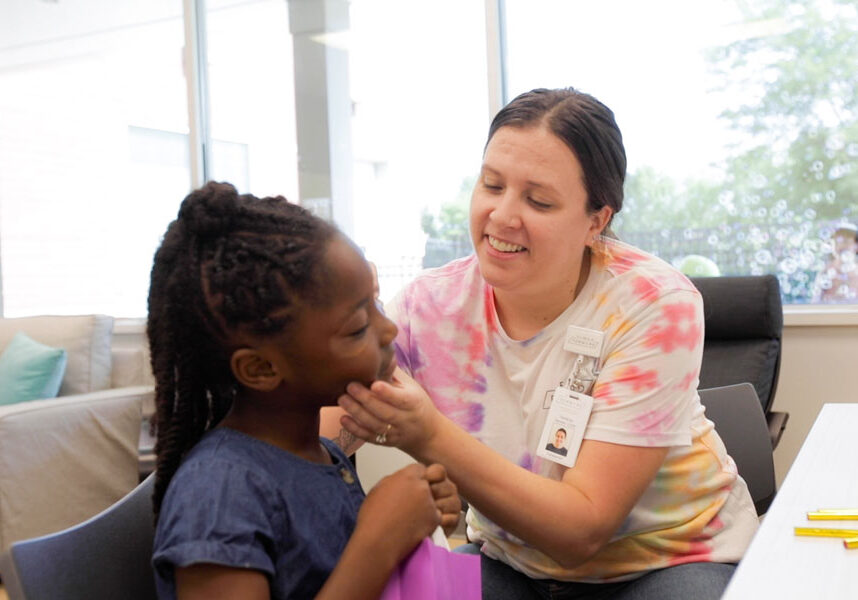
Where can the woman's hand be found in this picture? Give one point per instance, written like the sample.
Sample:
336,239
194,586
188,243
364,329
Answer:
392,414
446,496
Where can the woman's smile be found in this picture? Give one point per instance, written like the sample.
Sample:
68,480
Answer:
502,246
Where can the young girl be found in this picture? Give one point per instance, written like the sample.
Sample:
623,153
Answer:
259,315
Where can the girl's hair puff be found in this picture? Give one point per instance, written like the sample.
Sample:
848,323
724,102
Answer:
229,265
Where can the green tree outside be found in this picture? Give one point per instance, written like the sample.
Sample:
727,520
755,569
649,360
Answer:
789,176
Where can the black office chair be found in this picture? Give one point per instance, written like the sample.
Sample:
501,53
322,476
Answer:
735,410
744,325
107,556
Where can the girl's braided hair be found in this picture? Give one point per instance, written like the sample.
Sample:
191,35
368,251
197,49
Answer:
229,264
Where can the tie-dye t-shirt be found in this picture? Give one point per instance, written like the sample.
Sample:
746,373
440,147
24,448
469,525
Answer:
499,390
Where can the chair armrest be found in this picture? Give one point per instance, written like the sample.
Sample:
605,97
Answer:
65,459
144,392
777,422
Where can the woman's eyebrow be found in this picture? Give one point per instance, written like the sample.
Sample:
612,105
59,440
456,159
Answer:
534,184
542,186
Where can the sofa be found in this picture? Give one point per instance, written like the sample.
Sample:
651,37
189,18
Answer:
63,459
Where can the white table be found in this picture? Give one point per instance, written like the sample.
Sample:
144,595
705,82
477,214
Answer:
781,565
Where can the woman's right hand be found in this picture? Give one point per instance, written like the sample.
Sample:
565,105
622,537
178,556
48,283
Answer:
398,513
398,414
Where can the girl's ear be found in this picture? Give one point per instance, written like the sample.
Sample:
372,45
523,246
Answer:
254,370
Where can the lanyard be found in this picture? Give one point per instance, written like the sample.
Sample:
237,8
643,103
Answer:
581,378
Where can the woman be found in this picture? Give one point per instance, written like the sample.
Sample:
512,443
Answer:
551,317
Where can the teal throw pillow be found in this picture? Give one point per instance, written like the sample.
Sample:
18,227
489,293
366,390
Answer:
30,370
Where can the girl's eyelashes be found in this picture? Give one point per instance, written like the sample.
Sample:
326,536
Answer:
538,205
359,333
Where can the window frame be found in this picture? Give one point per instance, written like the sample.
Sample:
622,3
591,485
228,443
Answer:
199,139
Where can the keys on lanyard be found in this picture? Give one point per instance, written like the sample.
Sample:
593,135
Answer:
570,409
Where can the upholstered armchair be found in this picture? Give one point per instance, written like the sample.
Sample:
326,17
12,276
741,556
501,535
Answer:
65,458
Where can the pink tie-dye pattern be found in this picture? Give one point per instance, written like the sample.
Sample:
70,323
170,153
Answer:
624,259
477,345
639,380
680,329
688,380
489,307
716,524
697,551
605,391
645,288
452,377
654,421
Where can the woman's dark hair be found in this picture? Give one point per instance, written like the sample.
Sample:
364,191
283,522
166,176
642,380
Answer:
586,126
229,264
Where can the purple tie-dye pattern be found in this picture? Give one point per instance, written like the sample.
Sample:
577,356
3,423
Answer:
467,415
526,343
449,369
476,414
403,359
526,461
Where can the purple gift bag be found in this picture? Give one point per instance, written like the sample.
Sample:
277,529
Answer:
435,573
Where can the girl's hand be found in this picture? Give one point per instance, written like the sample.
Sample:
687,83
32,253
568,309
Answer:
399,512
446,497
398,414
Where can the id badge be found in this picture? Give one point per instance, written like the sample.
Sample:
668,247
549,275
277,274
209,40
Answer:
581,340
564,426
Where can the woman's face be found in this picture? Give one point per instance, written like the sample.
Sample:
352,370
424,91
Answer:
529,220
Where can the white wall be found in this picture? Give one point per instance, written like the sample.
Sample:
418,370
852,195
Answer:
819,365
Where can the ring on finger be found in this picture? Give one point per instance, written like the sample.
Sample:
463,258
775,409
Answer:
381,438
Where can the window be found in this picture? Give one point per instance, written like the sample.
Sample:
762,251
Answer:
93,151
251,96
420,117
740,122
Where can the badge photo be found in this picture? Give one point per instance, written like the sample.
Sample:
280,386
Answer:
564,426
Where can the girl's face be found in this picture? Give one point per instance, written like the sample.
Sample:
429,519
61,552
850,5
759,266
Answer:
346,339
529,219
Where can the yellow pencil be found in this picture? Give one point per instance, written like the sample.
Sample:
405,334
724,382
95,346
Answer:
850,542
832,514
827,532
